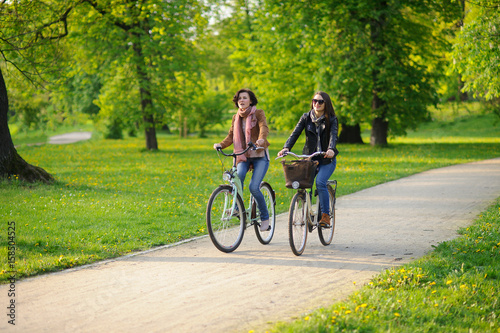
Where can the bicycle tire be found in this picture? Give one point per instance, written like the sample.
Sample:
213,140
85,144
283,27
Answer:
297,224
226,232
265,237
326,233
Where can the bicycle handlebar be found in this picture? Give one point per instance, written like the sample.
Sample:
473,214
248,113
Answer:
250,145
302,156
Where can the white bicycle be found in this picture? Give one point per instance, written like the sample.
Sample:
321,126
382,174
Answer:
227,217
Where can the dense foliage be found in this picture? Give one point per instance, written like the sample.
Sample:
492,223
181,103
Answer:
477,50
132,66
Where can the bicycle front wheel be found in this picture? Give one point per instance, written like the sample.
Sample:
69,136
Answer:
265,236
326,233
297,224
225,225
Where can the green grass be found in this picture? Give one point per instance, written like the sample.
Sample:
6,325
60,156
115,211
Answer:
453,289
112,198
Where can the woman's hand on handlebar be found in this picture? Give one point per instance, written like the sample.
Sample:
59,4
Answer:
217,146
329,153
260,143
283,151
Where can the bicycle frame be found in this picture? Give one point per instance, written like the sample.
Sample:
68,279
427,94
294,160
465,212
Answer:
235,182
313,213
227,221
231,176
304,216
309,194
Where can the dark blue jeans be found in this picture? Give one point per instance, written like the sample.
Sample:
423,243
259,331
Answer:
260,166
324,173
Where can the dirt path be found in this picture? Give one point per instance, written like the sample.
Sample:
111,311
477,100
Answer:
193,287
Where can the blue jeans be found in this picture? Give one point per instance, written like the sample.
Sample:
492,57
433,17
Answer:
260,166
324,173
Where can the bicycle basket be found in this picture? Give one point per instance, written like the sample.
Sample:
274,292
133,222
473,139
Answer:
299,173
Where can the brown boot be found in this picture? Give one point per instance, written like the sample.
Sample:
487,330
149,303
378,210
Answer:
325,220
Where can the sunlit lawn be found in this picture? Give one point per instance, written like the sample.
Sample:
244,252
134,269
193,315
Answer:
113,197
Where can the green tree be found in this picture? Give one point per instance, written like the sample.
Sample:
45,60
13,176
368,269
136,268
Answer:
147,42
476,51
30,32
390,62
264,58
379,60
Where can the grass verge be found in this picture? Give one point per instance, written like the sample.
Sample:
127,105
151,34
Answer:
453,289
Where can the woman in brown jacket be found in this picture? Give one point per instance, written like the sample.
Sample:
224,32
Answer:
249,125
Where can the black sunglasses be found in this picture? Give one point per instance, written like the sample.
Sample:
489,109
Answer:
319,101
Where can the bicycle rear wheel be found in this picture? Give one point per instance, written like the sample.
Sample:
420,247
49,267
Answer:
326,233
226,226
265,236
297,224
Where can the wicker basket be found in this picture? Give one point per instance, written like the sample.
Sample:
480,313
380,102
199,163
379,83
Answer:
299,173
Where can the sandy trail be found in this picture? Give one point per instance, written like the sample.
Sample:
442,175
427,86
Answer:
192,287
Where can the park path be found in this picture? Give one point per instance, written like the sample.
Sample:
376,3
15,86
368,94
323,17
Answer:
192,287
63,139
69,138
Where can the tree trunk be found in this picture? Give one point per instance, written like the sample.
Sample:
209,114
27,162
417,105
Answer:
380,126
380,129
147,113
350,134
11,164
146,100
150,133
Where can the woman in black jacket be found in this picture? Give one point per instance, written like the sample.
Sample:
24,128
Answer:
321,128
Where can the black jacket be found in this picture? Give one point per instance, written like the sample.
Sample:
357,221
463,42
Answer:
328,139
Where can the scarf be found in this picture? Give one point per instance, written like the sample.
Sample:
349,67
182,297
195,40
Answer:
239,138
319,129
315,119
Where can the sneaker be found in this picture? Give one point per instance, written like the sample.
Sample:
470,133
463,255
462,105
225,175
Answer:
264,225
325,220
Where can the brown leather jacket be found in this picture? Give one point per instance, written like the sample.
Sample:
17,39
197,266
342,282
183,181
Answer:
259,131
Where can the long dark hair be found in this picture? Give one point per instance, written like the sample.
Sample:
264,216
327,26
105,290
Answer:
329,110
253,98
